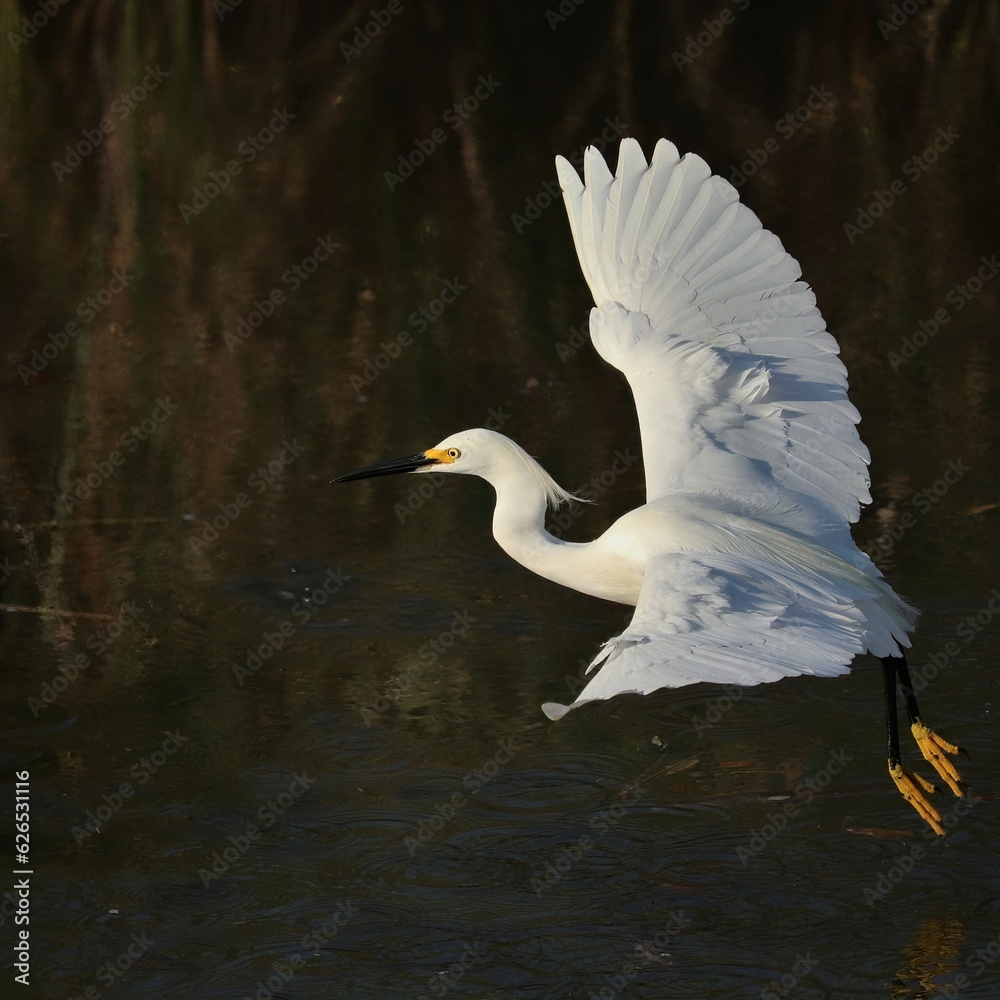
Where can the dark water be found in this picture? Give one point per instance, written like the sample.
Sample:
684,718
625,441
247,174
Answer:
284,738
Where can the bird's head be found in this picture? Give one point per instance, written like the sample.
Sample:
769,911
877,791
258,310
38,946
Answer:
476,452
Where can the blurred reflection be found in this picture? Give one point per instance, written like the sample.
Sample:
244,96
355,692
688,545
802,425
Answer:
929,962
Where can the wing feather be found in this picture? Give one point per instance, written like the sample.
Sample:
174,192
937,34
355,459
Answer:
736,380
728,619
624,189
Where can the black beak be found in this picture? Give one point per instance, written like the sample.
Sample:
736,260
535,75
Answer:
409,464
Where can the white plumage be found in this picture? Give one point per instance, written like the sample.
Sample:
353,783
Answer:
736,381
740,564
749,441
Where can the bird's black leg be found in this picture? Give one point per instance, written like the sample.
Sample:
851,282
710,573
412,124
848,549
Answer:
932,746
906,686
911,786
891,722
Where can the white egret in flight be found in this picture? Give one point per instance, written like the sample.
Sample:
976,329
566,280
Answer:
740,564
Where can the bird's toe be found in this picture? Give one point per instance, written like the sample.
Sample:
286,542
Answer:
914,789
935,750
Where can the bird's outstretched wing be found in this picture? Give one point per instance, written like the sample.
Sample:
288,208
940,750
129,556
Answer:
729,618
737,383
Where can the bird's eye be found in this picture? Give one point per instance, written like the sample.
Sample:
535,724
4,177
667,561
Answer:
454,453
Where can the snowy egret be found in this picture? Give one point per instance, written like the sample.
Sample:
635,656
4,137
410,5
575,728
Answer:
740,564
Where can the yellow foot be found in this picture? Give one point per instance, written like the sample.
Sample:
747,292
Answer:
912,787
934,748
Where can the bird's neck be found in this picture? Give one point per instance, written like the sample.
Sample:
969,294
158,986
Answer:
519,528
519,521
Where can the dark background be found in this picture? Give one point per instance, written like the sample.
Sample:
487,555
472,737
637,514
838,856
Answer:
413,654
